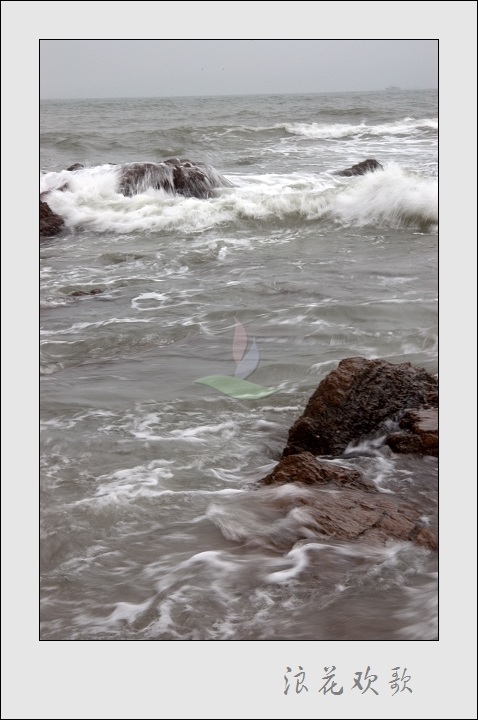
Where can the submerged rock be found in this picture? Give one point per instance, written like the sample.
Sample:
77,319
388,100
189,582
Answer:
79,293
355,515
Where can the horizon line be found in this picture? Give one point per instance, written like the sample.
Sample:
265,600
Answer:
256,94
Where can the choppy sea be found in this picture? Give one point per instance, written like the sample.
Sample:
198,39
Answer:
152,526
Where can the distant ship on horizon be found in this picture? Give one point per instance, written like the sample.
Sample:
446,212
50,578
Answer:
393,87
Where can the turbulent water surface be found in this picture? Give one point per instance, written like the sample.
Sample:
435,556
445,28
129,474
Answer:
152,526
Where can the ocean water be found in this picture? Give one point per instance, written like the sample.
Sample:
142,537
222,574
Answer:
152,523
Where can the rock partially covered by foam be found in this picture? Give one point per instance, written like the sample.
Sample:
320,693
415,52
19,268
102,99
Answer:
50,222
361,168
175,176
181,177
356,515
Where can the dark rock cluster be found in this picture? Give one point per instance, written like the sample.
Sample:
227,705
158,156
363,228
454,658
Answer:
180,177
361,399
176,176
356,400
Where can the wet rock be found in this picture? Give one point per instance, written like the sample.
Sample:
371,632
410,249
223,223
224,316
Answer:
361,168
76,166
50,223
421,433
355,515
356,400
79,293
177,176
307,469
138,177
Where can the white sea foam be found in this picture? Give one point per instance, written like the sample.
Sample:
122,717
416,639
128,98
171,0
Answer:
154,300
407,126
299,559
393,197
52,303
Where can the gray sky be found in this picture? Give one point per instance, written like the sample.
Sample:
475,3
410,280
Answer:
151,68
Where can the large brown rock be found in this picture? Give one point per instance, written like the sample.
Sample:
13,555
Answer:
355,515
343,505
50,223
355,400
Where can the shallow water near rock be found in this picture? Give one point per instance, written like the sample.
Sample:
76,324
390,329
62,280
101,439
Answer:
153,526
